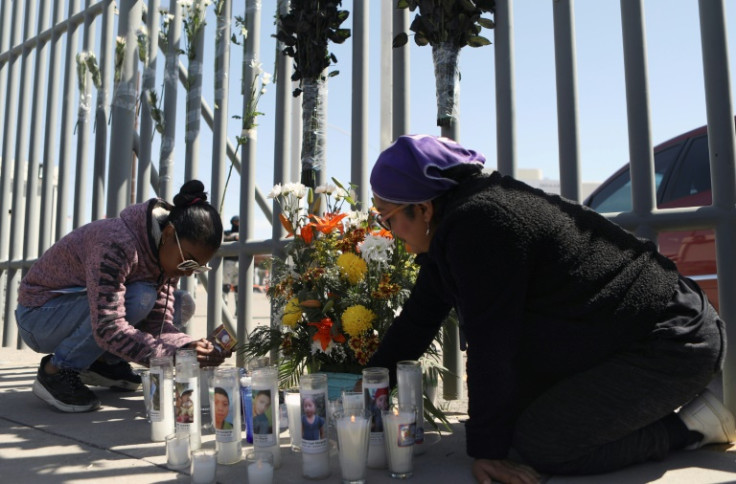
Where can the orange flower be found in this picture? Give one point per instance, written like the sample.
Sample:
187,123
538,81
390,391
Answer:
286,224
328,223
324,333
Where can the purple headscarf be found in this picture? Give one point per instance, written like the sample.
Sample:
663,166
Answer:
410,170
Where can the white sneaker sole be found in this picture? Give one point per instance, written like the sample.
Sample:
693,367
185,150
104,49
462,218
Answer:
41,392
90,378
719,411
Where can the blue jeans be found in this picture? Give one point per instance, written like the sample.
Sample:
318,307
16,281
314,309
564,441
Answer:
62,326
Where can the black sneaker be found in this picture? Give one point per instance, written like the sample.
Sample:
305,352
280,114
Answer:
119,375
64,390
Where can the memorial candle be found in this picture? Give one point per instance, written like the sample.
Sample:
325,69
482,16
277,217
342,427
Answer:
353,434
398,427
260,467
314,444
375,393
162,398
266,412
409,378
204,466
177,450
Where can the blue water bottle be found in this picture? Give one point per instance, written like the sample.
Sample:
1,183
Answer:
247,402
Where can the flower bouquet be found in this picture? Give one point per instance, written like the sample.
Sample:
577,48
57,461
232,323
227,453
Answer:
335,289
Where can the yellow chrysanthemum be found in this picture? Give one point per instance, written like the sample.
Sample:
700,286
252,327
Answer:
292,313
357,319
352,267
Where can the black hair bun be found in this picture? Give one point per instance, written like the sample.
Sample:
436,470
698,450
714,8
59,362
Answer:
190,193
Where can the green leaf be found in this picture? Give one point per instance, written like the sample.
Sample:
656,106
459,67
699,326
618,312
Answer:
478,41
402,4
420,39
400,40
333,73
487,23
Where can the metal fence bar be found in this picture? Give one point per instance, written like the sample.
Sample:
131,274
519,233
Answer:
219,148
567,99
48,207
359,111
400,75
102,111
193,111
504,85
82,127
251,53
9,136
722,147
67,124
147,129
33,201
18,211
123,110
166,157
637,106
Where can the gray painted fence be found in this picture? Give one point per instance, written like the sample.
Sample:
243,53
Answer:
38,84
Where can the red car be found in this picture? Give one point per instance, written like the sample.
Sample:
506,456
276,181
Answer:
682,178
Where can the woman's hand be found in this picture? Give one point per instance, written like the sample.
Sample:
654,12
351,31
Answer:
486,471
207,353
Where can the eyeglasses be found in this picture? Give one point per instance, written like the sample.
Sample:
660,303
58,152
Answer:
189,264
383,220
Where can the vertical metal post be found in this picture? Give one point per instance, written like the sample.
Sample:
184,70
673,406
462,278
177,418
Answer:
637,108
148,84
18,217
387,86
171,77
123,111
31,242
722,147
359,111
194,98
9,134
219,149
102,111
193,114
282,125
505,101
67,123
85,107
452,357
281,146
567,106
400,96
49,181
251,53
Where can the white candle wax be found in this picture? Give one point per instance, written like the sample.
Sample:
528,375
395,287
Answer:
293,409
316,466
162,420
204,467
229,452
352,435
352,402
260,472
398,448
177,452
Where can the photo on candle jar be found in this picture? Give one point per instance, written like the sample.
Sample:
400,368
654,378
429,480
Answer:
155,393
313,417
376,400
262,414
223,409
184,407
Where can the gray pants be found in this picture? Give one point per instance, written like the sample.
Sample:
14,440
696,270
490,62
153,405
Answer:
611,415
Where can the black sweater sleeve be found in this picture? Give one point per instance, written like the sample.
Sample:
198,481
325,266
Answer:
413,330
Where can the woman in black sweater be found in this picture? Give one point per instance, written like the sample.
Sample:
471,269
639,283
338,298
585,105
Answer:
583,340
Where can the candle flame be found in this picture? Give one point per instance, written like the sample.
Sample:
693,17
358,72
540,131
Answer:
352,419
396,413
259,464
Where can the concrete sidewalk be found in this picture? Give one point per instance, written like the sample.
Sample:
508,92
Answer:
112,445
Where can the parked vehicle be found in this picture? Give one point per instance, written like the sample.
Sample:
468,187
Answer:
682,179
